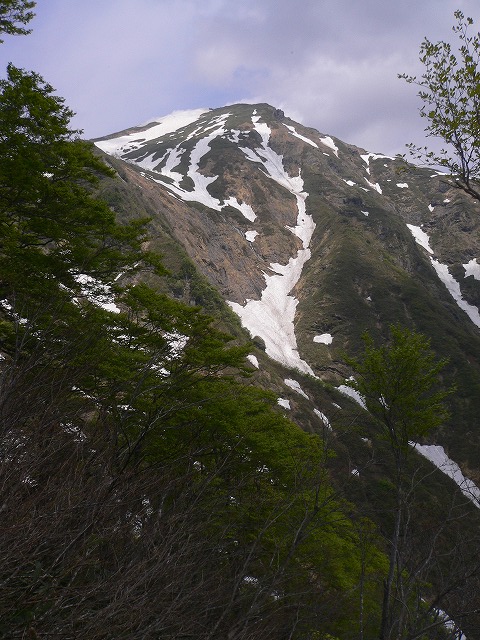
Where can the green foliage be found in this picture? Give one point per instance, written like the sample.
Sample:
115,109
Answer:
13,12
51,228
450,92
399,382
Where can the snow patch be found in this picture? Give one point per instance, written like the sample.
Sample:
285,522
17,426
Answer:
454,290
283,402
352,393
328,142
160,127
323,418
375,186
243,207
402,185
436,454
97,292
421,237
365,213
293,384
366,157
445,276
251,235
349,182
297,135
254,360
324,338
472,268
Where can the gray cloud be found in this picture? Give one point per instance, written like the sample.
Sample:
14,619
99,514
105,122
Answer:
332,64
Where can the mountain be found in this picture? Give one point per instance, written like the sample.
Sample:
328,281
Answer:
312,241
307,242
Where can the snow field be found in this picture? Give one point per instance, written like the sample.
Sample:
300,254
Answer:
251,235
166,164
353,394
272,317
166,124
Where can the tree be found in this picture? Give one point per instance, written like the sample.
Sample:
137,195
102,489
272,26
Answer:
13,12
52,231
450,92
400,386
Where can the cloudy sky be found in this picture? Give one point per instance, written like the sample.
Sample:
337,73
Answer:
330,64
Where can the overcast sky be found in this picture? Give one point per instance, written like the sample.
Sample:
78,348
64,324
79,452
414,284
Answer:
330,64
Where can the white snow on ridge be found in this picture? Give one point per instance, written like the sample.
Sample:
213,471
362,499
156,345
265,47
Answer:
294,132
436,454
374,156
165,124
328,142
251,235
200,191
166,164
472,268
272,317
173,159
